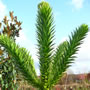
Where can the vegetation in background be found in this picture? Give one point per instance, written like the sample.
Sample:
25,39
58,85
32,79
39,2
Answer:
9,27
53,63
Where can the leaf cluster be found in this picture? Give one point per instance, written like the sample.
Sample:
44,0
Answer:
11,28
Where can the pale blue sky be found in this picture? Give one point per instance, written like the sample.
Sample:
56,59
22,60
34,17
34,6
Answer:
68,14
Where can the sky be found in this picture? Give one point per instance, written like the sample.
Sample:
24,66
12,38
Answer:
68,15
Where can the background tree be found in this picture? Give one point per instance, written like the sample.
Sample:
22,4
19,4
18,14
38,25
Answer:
11,28
52,63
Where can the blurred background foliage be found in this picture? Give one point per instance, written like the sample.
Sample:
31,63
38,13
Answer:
8,70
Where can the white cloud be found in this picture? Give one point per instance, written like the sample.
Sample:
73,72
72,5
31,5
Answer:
84,52
57,14
24,41
77,3
3,10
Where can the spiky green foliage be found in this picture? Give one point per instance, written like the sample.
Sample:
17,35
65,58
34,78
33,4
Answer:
65,53
23,60
52,64
45,34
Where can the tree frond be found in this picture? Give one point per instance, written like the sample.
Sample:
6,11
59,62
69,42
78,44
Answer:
22,58
45,37
64,55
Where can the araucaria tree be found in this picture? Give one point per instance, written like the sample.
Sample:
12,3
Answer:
53,63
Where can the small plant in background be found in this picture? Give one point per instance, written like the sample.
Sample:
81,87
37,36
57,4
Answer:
52,63
11,28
